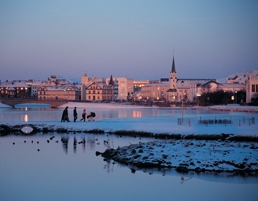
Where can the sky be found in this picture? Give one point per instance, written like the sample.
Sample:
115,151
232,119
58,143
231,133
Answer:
135,39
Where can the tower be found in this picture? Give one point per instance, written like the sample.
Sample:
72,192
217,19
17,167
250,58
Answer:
111,82
173,78
85,79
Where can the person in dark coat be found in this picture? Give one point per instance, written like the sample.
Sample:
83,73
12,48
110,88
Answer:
65,116
75,115
83,115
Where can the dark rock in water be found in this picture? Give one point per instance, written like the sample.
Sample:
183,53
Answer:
38,149
98,153
133,170
109,153
182,169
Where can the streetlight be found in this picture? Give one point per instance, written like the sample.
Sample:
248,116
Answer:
182,110
198,98
236,96
232,98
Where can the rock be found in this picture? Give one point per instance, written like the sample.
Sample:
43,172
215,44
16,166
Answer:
182,169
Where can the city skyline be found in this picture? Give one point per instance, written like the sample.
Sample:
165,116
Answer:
135,39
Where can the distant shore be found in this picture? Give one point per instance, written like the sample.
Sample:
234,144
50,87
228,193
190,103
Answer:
229,107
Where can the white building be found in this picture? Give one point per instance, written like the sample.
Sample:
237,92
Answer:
251,88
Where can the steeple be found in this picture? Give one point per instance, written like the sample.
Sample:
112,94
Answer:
111,82
173,78
173,70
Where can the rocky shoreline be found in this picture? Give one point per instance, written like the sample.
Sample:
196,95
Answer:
189,156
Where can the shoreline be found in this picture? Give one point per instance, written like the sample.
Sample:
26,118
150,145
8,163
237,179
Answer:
33,129
229,107
183,153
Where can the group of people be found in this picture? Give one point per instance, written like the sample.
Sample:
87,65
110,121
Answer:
65,116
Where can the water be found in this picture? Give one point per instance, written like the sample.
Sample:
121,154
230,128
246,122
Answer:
42,170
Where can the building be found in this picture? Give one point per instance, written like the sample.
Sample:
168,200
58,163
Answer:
125,88
64,92
99,92
35,85
251,88
172,89
154,91
212,86
15,89
138,84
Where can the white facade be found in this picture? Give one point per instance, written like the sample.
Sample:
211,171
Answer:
124,87
251,88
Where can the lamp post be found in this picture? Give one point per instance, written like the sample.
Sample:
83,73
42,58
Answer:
198,98
232,98
182,110
236,96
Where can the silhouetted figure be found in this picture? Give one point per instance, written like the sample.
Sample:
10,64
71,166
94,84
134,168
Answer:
75,115
65,115
83,115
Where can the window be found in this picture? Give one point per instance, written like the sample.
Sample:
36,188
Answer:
257,88
253,88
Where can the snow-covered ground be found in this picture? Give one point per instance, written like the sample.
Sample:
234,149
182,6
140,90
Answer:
189,155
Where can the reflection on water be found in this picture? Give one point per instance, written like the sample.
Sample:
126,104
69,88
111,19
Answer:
26,119
91,142
66,168
65,141
137,114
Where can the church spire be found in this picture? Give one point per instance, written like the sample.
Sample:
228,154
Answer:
173,70
111,82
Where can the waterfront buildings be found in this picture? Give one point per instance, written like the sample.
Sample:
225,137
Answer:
172,89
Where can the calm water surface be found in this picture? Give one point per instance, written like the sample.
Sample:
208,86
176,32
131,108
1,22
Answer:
32,168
